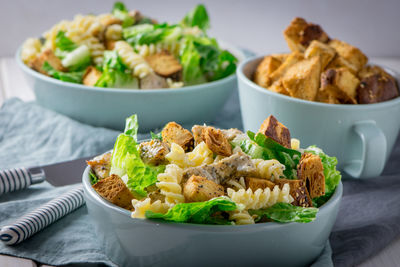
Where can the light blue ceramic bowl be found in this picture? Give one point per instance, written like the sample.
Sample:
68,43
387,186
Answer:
108,107
137,242
360,136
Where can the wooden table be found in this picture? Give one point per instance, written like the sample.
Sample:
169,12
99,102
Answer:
13,84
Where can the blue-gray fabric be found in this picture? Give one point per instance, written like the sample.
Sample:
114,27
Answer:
30,135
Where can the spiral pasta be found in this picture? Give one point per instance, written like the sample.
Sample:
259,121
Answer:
30,50
173,84
178,156
295,143
200,155
95,46
141,206
151,49
51,34
241,217
238,184
169,184
269,169
113,32
260,198
134,61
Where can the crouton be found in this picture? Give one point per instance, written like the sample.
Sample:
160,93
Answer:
49,57
311,171
109,20
327,96
350,53
258,183
110,44
216,141
298,191
231,133
164,64
198,189
235,166
321,50
376,86
114,190
153,152
101,165
174,133
342,82
153,81
275,130
300,33
291,60
268,65
277,87
197,131
91,76
339,62
302,79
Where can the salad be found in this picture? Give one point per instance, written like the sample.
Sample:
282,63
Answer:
125,49
213,176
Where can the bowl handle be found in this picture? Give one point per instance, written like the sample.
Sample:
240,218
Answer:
373,151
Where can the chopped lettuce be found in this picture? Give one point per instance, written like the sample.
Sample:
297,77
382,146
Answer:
151,33
272,150
196,212
116,73
77,59
63,44
93,178
285,212
121,12
191,70
126,161
156,136
248,146
198,16
73,77
332,176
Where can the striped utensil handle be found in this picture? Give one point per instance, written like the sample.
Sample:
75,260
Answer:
40,218
20,178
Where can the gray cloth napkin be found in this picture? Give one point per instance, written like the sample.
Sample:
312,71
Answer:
31,135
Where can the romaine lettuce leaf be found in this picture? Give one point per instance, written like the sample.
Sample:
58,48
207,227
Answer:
77,59
151,33
197,17
332,176
73,77
285,212
126,160
196,212
156,136
273,150
191,59
93,178
116,73
121,12
63,44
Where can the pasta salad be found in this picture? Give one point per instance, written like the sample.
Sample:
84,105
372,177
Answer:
125,49
213,176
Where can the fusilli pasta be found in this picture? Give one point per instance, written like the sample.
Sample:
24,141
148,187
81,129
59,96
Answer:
269,169
169,184
30,49
295,143
113,32
141,206
260,198
238,184
178,156
173,84
151,49
200,155
134,61
241,217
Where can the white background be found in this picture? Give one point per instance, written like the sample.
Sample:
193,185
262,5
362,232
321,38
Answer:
372,25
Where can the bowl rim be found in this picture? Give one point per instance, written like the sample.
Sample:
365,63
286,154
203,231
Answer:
90,192
243,78
239,54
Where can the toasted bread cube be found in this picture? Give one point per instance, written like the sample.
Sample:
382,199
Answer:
109,20
311,171
321,50
216,141
258,183
342,82
291,60
110,44
278,88
153,81
275,130
327,96
51,58
153,152
198,189
114,190
298,191
197,131
101,165
339,62
174,133
302,79
91,76
268,65
350,53
164,64
376,86
300,33
231,133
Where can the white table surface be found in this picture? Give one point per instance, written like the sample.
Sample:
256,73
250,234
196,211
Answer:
13,84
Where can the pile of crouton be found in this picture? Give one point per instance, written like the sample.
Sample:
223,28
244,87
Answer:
323,69
204,182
